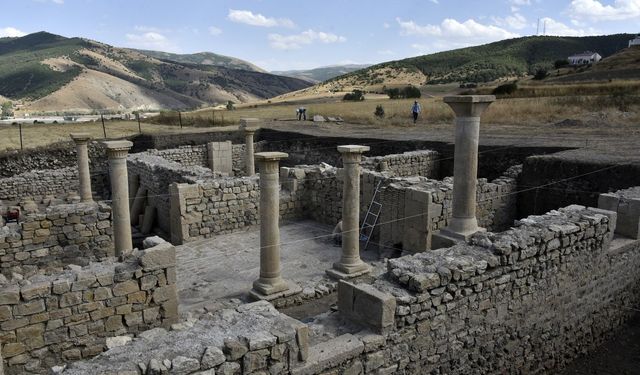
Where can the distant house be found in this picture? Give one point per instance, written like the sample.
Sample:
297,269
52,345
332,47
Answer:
584,58
635,41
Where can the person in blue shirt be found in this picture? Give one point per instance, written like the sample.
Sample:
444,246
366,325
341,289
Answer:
415,110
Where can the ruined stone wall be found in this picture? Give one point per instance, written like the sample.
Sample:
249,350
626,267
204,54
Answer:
185,155
252,339
426,206
528,300
226,205
62,234
39,183
424,163
552,181
51,320
155,173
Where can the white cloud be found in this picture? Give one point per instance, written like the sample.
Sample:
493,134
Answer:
58,1
296,41
556,28
596,11
11,32
515,21
435,1
450,29
215,31
249,18
386,25
151,40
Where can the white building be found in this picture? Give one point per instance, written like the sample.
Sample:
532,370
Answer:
584,58
635,42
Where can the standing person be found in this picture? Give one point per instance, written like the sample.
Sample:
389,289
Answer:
415,110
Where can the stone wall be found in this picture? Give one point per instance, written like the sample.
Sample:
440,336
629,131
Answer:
39,183
424,163
552,181
254,338
185,155
154,174
51,320
528,300
60,235
626,203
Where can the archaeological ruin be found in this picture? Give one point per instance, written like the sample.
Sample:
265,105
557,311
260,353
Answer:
220,253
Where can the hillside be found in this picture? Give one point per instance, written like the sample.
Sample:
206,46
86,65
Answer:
205,58
53,73
622,65
504,59
323,73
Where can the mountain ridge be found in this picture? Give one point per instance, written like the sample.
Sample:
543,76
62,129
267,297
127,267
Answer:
51,72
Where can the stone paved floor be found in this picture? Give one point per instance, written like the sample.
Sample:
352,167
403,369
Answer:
219,271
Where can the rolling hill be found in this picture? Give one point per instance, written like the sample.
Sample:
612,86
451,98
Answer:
205,58
504,59
622,65
323,73
53,73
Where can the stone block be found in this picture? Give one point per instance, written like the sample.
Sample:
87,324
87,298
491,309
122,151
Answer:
158,257
365,304
10,295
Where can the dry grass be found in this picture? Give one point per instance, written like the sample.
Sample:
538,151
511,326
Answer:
37,135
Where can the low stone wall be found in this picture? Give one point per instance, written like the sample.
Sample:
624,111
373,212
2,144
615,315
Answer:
424,163
185,155
63,234
526,300
414,208
51,320
627,204
38,184
252,339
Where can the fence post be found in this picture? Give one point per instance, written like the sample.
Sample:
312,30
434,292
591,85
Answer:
21,144
104,129
139,126
180,119
214,117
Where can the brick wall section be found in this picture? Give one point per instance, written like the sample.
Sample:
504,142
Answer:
66,317
63,234
40,183
415,163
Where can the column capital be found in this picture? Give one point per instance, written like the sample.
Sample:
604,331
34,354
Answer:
249,125
469,105
117,149
80,138
353,149
270,156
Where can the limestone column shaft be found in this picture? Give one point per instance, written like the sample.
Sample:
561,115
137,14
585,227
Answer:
270,280
84,175
117,152
249,126
468,110
350,263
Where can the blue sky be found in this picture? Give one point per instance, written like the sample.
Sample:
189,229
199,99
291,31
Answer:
301,34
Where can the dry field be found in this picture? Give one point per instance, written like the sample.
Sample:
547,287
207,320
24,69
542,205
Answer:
36,135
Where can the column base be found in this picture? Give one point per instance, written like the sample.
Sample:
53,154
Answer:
447,238
349,271
268,292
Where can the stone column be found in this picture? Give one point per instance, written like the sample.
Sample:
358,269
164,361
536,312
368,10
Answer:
84,176
117,153
270,283
249,126
350,264
468,109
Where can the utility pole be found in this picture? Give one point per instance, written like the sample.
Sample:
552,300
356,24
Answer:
21,144
180,119
104,129
139,126
538,27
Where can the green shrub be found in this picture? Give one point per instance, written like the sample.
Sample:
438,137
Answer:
356,96
379,112
506,89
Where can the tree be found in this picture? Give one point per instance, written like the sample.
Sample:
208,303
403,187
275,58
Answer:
230,106
356,95
393,93
411,92
379,112
7,110
540,74
506,89
560,64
